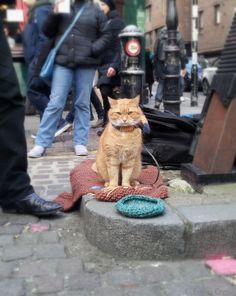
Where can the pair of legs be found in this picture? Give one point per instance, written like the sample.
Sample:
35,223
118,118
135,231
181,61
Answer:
61,85
38,92
16,192
160,90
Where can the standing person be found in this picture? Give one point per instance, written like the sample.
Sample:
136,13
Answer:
108,71
36,47
159,64
16,193
34,41
149,70
77,57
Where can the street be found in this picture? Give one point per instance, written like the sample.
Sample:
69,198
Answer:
52,257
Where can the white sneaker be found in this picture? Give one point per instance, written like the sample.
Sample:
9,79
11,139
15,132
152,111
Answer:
36,152
81,150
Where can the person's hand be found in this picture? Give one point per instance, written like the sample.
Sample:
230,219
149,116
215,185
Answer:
183,72
111,72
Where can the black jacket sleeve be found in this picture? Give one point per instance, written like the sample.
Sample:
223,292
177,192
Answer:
104,33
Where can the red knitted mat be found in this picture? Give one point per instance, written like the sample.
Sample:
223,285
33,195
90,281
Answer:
84,181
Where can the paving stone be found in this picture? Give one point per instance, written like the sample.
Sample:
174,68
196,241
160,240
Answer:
75,293
43,182
36,268
71,265
147,291
11,229
39,177
6,240
48,237
83,281
27,239
45,284
211,287
49,251
6,269
12,287
109,291
188,270
122,278
3,218
22,219
11,253
151,275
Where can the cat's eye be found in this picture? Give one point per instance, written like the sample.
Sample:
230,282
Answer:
118,113
129,113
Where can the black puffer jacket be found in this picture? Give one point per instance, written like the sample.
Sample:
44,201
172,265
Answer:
87,40
111,56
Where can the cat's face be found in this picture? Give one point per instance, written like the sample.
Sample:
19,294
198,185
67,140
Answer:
124,112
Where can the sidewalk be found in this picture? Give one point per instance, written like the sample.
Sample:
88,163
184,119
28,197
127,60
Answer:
53,257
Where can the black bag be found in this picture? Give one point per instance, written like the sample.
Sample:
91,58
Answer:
170,138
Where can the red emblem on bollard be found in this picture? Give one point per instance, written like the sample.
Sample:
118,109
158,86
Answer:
133,47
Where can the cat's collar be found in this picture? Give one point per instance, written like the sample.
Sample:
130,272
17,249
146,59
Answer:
126,129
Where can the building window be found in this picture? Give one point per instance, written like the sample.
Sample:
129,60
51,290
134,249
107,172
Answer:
148,13
148,40
217,14
200,21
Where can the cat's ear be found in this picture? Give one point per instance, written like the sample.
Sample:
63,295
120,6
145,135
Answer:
136,100
112,101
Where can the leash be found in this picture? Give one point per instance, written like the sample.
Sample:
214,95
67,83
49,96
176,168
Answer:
156,163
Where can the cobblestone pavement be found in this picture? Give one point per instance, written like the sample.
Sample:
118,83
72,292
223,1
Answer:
52,257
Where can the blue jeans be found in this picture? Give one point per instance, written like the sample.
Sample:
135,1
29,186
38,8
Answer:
61,85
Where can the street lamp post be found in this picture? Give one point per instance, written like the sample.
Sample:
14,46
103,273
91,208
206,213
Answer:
194,71
171,98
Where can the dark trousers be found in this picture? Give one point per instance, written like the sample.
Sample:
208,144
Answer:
14,180
38,90
97,105
106,91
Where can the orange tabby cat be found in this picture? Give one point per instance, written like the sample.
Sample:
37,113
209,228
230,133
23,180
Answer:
118,159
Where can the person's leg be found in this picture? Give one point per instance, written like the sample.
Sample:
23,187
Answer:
159,93
16,192
37,91
91,113
84,81
14,180
61,84
106,91
181,86
97,104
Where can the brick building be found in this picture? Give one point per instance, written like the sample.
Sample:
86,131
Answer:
215,18
156,19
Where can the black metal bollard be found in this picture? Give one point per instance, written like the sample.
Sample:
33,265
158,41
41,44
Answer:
132,74
171,98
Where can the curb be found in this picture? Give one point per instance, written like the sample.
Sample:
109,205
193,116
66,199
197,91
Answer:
182,232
